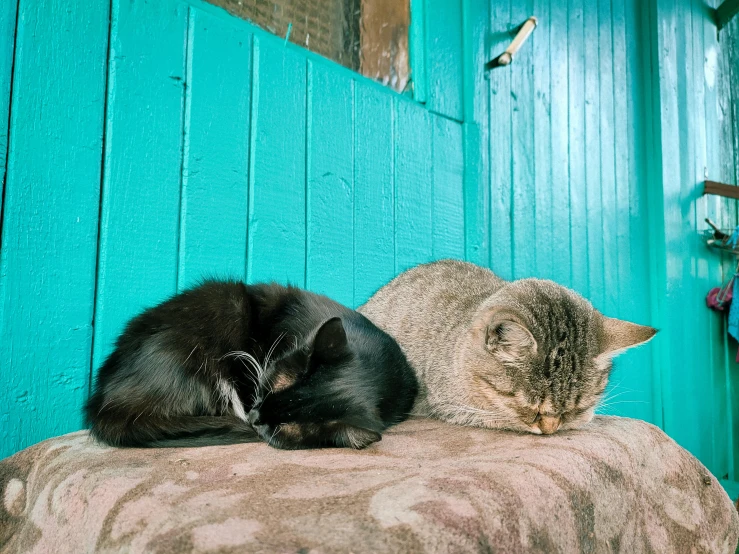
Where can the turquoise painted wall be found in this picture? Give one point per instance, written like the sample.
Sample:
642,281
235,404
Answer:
599,138
567,167
149,144
691,85
163,141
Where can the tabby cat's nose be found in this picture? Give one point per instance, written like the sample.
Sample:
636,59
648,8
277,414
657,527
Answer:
549,424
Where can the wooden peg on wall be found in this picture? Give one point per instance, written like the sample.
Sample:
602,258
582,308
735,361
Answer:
721,189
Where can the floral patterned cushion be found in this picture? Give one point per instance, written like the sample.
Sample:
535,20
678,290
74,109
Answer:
616,485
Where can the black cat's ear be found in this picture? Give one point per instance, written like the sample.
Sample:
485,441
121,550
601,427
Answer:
330,342
356,437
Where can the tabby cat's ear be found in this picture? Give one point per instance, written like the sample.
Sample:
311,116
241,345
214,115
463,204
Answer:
330,342
510,338
619,335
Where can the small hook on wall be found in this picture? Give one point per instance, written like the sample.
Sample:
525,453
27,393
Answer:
507,57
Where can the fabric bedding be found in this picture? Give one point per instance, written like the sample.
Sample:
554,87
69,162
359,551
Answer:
617,485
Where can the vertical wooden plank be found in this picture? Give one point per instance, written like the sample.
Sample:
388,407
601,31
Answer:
500,102
523,220
671,190
643,281
722,98
413,186
690,386
444,57
374,198
276,235
622,180
330,234
547,96
7,50
579,238
47,262
592,71
476,21
710,271
448,192
607,164
706,270
417,50
558,138
141,188
636,389
216,151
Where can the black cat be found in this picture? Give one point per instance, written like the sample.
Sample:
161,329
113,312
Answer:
226,362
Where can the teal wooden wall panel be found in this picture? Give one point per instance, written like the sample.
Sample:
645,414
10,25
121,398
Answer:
500,106
543,150
522,160
594,202
277,213
8,19
558,140
447,213
608,207
576,148
330,200
565,194
215,166
374,191
723,97
413,186
202,147
443,64
140,212
475,19
695,403
50,217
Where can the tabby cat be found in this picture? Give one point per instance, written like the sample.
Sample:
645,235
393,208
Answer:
527,355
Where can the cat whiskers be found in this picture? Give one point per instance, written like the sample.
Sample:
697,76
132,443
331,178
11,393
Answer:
272,348
277,428
191,353
469,415
256,371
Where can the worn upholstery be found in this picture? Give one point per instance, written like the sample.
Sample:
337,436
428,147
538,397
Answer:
616,485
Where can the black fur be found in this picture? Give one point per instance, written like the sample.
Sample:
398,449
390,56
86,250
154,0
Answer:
180,371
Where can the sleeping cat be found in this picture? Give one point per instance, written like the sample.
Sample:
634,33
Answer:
527,355
227,362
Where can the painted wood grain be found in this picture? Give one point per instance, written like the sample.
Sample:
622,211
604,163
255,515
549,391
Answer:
212,235
140,212
447,216
545,185
523,186
609,206
277,234
575,138
476,19
444,44
330,200
8,20
594,202
559,233
413,186
47,262
374,191
499,144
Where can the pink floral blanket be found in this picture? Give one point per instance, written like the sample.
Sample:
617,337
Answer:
619,485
